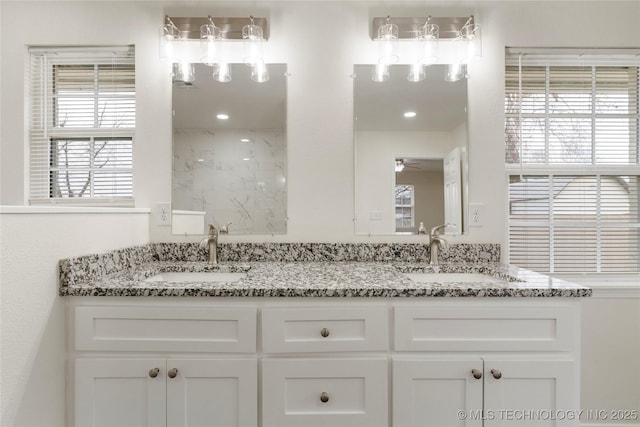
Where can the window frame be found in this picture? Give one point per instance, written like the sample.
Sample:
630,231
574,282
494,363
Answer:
570,57
411,206
44,128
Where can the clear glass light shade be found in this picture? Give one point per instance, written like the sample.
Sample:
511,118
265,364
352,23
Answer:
253,43
399,165
259,72
387,41
210,36
184,72
380,73
417,73
428,38
455,72
168,35
222,72
474,44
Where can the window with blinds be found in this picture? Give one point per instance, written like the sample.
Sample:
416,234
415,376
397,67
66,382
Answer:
571,152
82,127
404,206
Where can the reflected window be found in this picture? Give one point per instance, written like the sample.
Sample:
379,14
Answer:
405,206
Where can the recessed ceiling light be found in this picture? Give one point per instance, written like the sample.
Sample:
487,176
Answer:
222,116
246,158
410,114
245,140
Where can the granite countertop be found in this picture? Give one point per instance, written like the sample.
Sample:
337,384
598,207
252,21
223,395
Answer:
323,279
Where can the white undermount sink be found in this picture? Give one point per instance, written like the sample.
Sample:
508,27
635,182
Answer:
196,276
452,278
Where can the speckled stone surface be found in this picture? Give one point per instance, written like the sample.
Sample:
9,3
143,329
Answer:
302,278
329,252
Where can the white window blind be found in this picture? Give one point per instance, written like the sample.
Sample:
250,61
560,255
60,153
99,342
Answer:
571,152
82,125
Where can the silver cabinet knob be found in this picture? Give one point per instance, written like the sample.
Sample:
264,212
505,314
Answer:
154,372
324,332
173,373
324,397
476,374
496,374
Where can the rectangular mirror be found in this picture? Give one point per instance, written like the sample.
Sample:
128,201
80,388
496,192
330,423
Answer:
410,151
232,169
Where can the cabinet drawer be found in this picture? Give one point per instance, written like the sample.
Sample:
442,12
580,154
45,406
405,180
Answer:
324,329
165,328
484,328
324,392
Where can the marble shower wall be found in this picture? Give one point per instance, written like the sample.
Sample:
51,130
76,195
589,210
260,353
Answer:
242,182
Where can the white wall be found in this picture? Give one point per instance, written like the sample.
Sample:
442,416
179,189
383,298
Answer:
320,129
610,353
33,315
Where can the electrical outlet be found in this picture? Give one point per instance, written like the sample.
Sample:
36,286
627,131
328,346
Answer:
476,214
163,216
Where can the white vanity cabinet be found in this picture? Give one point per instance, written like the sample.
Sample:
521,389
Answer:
486,363
143,363
432,392
314,373
369,362
172,392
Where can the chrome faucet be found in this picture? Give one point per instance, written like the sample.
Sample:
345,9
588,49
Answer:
436,241
225,228
212,241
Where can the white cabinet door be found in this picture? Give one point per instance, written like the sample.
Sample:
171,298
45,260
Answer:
437,393
530,393
212,393
120,392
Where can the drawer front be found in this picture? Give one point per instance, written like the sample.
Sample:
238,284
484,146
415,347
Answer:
325,392
491,328
184,329
324,329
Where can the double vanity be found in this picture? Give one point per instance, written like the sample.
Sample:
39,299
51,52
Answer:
318,335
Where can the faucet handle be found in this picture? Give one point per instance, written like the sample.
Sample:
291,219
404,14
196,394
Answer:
436,229
225,228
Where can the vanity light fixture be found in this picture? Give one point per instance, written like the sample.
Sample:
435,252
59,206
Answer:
420,42
455,72
417,73
184,72
380,73
168,34
215,42
399,165
259,72
222,72
210,35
